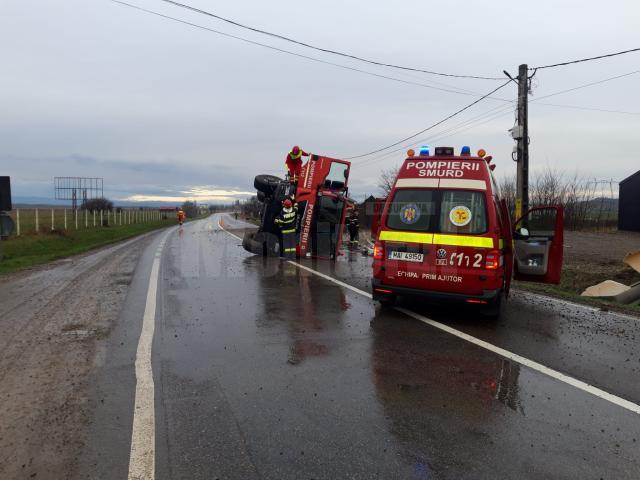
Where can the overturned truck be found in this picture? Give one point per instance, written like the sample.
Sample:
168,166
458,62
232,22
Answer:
322,198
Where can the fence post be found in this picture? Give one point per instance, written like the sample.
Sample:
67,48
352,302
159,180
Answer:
120,217
37,222
75,211
86,219
18,221
65,219
52,220
101,219
94,218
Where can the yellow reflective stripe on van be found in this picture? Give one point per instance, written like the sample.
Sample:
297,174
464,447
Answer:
463,241
501,243
409,237
437,239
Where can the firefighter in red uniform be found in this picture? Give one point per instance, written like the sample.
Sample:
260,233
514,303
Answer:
294,163
181,216
287,220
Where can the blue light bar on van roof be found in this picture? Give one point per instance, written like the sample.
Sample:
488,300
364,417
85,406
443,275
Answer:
424,150
465,150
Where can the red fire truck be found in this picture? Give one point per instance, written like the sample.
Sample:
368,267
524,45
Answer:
445,234
322,200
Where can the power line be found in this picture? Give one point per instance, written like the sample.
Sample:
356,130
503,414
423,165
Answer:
431,126
474,122
458,90
598,82
500,111
320,49
299,55
585,59
591,109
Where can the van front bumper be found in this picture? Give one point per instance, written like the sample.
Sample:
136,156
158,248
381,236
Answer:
382,292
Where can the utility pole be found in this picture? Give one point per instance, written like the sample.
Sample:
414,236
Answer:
521,135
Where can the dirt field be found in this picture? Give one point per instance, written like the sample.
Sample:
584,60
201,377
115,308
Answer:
592,257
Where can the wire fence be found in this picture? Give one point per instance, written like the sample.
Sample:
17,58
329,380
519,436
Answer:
30,221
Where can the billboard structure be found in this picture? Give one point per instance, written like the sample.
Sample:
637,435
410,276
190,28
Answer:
78,188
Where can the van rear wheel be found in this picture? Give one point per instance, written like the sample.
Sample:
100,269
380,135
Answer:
387,301
492,310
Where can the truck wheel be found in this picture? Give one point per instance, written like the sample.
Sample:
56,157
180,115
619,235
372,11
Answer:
251,244
266,183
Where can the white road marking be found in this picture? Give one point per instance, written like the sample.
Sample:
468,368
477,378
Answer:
227,231
331,279
585,387
142,454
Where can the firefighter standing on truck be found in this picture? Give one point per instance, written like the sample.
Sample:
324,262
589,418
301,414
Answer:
287,220
294,163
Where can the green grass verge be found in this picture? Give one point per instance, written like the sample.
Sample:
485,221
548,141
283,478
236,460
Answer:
35,249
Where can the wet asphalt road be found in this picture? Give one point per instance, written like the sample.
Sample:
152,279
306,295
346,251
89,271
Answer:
264,370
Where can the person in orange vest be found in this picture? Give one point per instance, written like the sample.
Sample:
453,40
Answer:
294,163
181,217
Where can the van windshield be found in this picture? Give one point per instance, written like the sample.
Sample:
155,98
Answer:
445,211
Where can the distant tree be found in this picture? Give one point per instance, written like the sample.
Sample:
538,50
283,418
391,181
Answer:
97,204
251,208
386,179
190,209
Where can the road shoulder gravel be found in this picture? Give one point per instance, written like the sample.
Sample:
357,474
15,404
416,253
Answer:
55,323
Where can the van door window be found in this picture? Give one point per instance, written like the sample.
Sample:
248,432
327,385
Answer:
413,210
337,176
463,211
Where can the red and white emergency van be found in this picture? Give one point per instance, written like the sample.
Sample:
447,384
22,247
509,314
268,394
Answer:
445,234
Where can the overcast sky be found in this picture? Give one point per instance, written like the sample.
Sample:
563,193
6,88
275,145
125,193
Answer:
164,110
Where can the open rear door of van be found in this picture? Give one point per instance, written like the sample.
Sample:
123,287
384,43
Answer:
538,245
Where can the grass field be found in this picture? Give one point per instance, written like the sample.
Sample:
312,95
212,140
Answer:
31,249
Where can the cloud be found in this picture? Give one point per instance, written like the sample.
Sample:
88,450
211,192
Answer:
199,194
